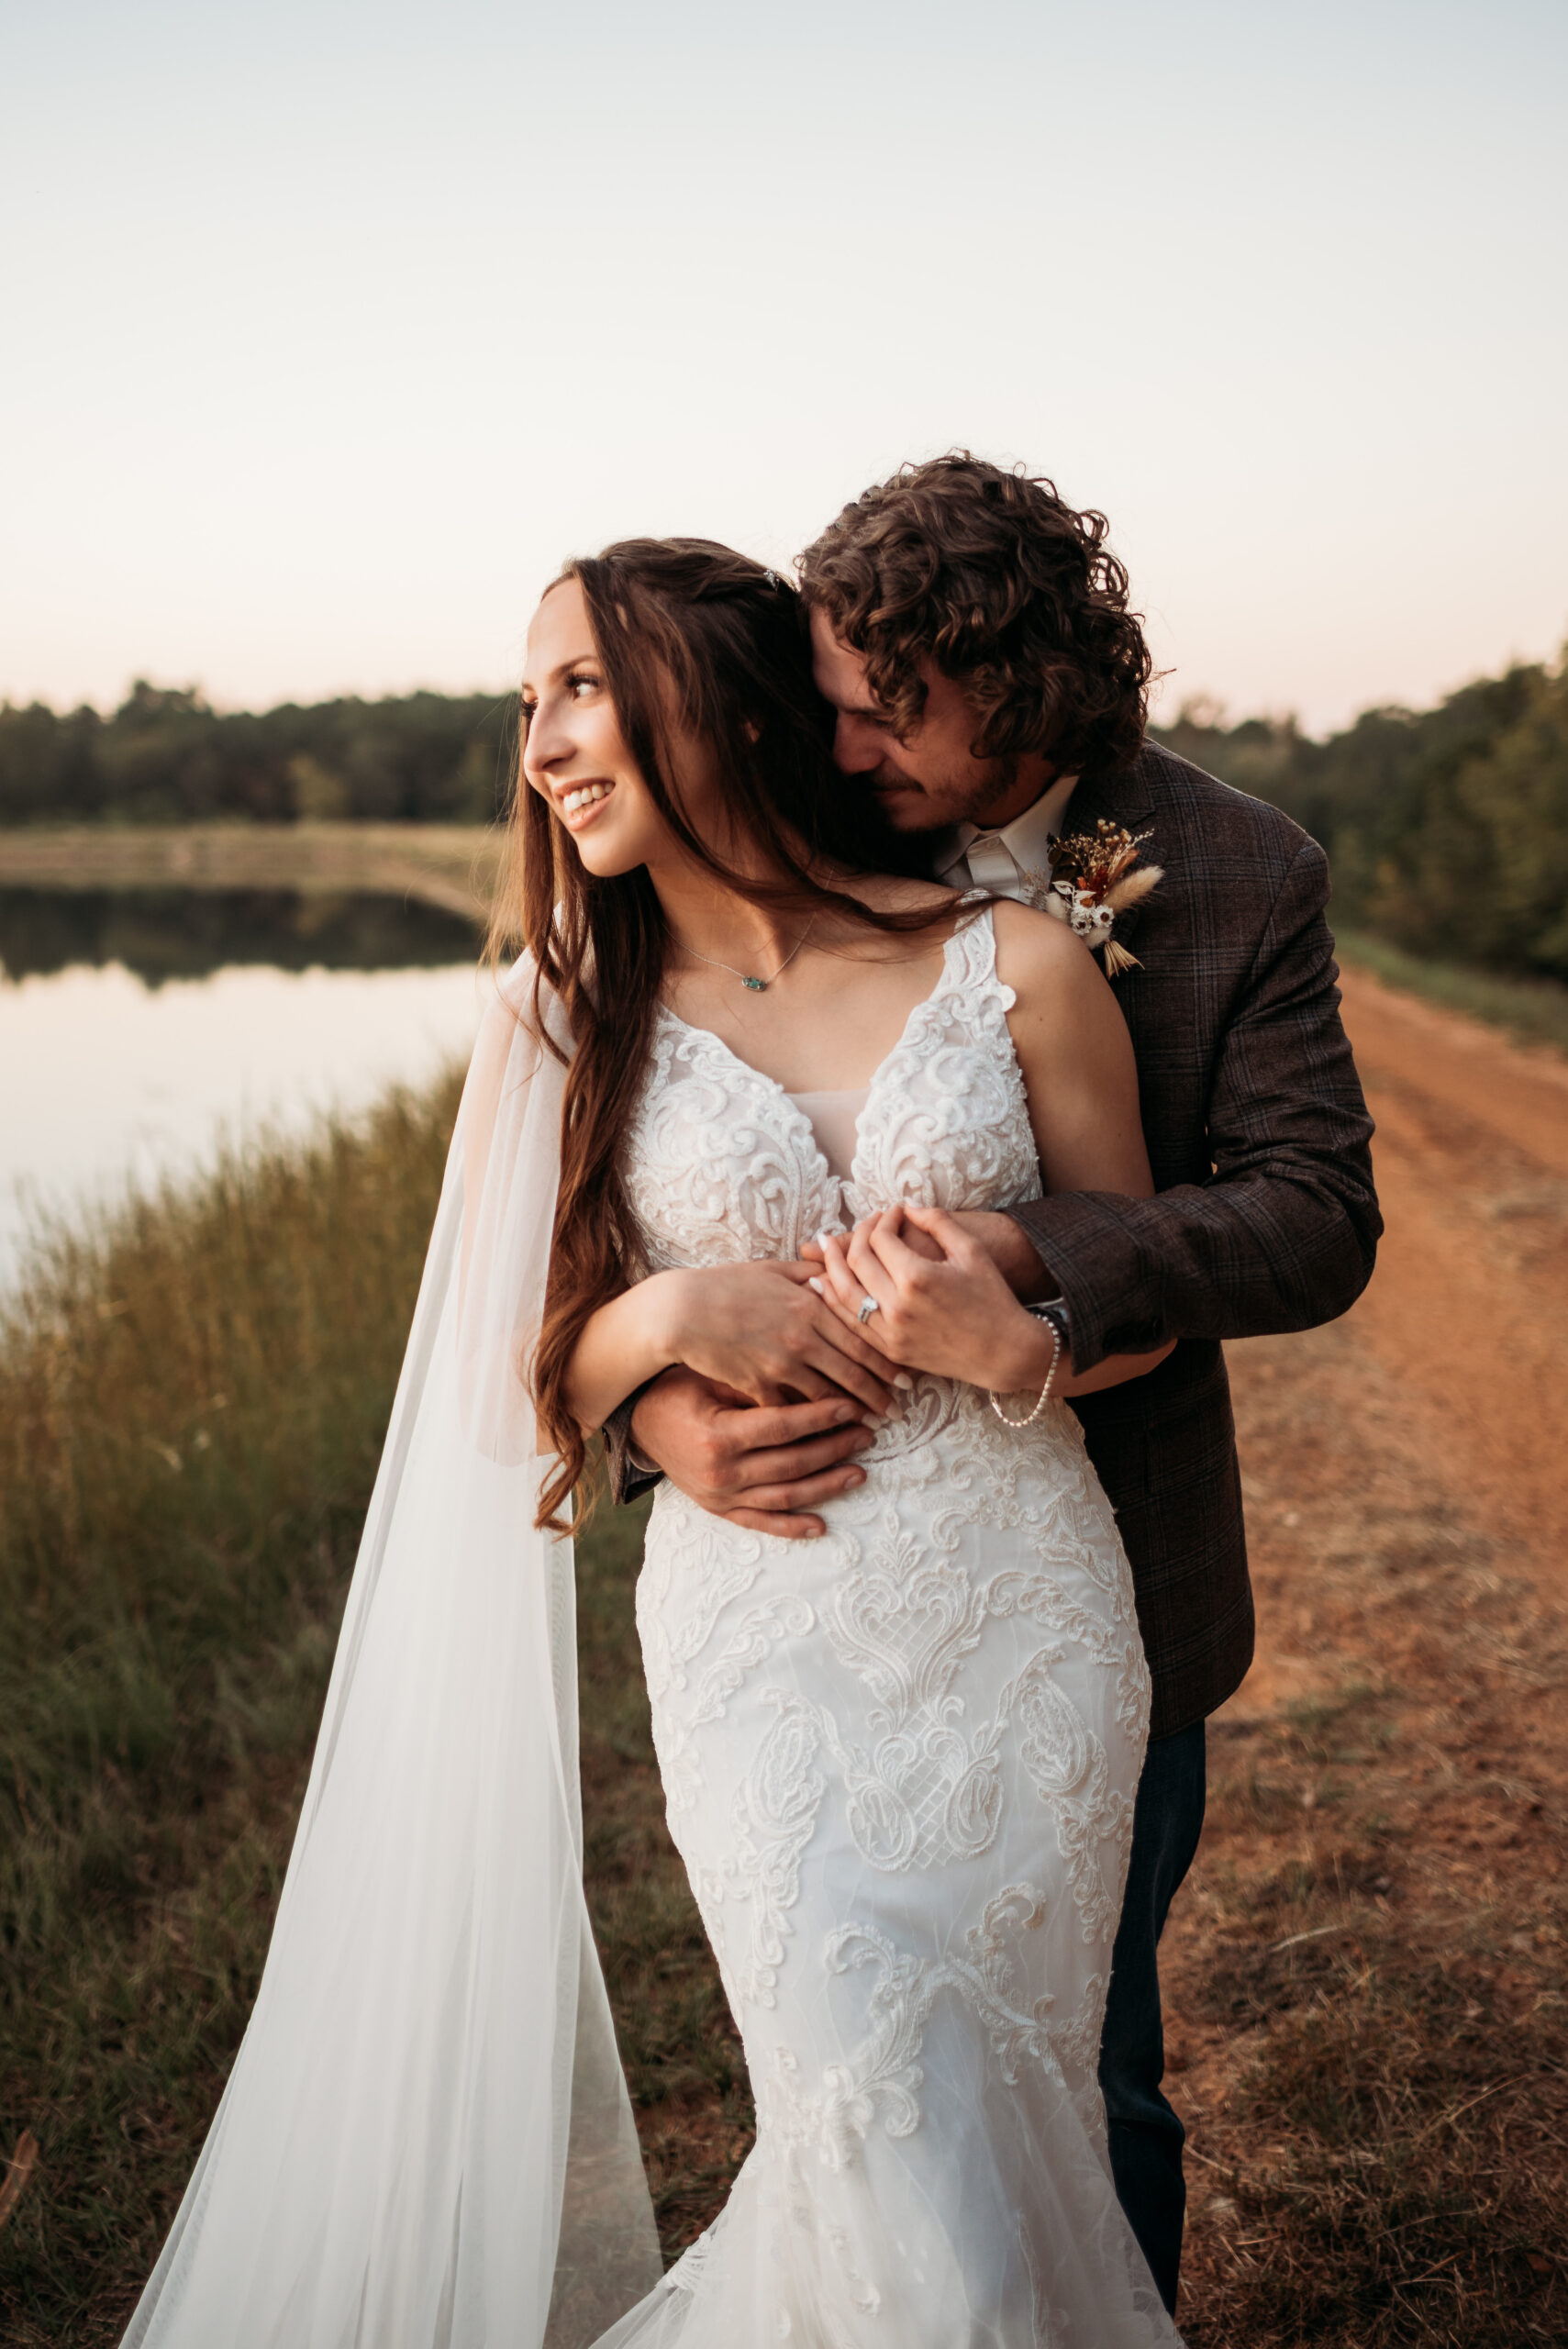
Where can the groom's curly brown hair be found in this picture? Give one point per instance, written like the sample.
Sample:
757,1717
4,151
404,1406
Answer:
999,582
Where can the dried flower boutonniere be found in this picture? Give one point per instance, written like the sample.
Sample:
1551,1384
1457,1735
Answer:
1093,878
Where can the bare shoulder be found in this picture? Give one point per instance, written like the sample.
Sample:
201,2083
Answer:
1040,959
1065,1016
1075,1054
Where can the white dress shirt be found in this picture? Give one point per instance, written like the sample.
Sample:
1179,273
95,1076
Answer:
973,859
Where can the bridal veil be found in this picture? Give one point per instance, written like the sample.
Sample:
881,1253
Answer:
426,2141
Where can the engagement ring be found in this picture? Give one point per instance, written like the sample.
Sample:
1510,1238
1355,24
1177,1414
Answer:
869,1305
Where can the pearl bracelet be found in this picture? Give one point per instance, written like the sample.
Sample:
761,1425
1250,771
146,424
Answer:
1044,1392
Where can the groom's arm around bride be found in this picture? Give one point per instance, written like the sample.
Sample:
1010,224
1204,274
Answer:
1264,1218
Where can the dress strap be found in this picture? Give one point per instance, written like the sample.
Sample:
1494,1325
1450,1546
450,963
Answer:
970,966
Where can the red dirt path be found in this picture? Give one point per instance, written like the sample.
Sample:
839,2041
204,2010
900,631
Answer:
1388,1816
1468,1306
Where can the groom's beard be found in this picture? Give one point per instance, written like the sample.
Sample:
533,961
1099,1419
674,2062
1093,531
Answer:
913,811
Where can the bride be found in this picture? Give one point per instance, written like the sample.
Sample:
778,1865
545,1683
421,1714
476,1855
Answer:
899,1760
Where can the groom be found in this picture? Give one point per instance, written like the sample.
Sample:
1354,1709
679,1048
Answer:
971,630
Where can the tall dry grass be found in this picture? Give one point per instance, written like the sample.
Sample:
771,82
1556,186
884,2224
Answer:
192,1397
192,1393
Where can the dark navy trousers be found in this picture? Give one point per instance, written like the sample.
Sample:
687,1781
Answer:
1146,2138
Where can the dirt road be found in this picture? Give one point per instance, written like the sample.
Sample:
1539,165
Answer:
1368,2032
1468,1306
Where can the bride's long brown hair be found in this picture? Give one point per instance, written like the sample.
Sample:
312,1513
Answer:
694,640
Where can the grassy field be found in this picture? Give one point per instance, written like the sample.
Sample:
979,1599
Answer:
453,865
192,1398
1533,1010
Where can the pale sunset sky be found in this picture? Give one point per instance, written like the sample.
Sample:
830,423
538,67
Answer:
331,328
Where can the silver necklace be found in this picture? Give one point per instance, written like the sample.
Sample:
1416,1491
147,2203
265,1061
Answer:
748,978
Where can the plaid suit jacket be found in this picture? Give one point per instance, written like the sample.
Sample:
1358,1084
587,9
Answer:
1264,1217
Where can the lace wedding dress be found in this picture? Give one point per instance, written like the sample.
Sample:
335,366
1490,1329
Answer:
900,1765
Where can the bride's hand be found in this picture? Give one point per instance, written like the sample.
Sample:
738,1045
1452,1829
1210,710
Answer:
942,1304
762,1330
1002,1240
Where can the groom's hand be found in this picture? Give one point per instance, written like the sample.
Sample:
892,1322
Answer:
764,1466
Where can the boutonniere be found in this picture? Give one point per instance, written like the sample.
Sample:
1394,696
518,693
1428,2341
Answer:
1093,878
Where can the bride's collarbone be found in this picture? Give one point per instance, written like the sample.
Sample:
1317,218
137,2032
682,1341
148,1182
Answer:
825,1030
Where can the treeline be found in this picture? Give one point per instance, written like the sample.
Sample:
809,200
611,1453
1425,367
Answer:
166,758
1447,828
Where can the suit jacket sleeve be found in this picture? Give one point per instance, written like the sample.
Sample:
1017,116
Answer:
1282,1234
627,1479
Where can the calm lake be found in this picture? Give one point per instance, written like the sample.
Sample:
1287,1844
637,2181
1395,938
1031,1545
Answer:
140,1027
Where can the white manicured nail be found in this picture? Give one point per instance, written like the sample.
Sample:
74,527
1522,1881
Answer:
902,1378
816,1283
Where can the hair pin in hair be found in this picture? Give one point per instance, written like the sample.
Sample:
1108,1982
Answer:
773,579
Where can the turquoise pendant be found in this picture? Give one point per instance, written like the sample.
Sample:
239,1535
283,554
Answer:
758,987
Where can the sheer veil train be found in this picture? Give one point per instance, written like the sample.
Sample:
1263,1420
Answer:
426,2138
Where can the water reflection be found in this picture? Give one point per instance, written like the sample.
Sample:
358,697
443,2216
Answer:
138,1027
160,934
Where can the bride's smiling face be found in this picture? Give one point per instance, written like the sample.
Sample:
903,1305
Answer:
576,758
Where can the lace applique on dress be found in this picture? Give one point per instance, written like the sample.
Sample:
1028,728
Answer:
722,1167
900,1765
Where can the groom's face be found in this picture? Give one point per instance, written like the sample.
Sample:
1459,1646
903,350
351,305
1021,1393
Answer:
927,777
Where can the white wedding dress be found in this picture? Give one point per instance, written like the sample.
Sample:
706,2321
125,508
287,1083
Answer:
900,1765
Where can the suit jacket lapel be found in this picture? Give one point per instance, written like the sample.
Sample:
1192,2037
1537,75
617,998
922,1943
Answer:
1125,796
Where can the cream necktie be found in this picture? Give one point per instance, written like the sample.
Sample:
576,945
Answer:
993,866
